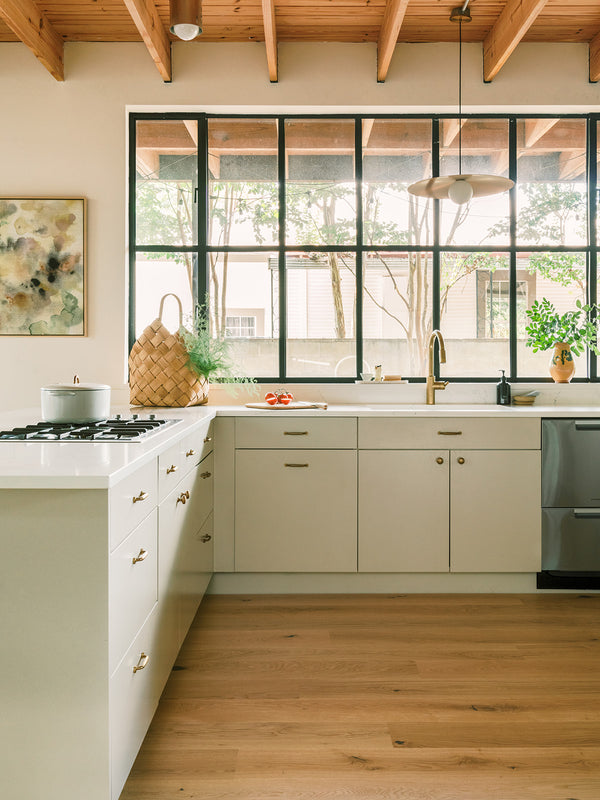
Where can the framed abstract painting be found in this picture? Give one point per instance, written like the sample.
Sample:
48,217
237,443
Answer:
42,266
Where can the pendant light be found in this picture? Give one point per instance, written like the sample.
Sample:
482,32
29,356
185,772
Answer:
186,18
460,188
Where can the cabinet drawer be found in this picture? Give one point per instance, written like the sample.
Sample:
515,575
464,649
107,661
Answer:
450,433
182,457
133,586
184,550
130,501
133,697
295,432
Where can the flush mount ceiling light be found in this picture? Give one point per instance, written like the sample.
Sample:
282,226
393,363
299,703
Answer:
460,188
186,18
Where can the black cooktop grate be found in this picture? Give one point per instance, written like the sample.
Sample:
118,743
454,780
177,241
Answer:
107,430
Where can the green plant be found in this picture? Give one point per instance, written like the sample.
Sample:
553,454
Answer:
547,327
210,356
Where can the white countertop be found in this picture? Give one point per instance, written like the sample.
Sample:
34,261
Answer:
100,465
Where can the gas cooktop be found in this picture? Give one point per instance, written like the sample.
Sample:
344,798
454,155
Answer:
118,429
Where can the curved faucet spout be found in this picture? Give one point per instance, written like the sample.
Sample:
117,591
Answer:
432,383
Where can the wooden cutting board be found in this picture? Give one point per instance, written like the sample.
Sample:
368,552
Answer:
295,404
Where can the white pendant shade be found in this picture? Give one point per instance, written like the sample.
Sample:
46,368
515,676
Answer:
186,19
452,187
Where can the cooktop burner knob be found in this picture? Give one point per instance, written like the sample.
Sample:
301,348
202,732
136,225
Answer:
118,416
136,416
152,416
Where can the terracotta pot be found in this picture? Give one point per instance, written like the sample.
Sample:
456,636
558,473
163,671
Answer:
562,365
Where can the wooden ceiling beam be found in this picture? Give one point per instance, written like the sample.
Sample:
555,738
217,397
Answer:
595,59
145,16
268,10
536,128
388,35
510,27
33,29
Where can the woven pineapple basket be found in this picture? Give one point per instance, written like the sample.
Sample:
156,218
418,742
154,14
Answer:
159,374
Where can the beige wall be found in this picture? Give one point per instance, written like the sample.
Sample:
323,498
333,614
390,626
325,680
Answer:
69,139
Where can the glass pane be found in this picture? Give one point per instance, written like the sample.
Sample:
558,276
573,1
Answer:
243,196
320,189
560,278
484,147
475,314
397,300
396,153
244,304
552,188
156,274
321,310
166,180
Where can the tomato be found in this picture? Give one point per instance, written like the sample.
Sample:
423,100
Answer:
271,398
284,399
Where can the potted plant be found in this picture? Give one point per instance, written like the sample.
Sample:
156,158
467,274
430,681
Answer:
210,357
569,333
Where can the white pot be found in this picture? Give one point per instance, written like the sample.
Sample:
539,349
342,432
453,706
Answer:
75,402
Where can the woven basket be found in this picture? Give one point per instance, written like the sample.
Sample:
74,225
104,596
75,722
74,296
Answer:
159,374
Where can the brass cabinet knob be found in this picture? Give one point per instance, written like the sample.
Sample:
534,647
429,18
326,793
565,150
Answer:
439,460
190,453
141,663
183,497
206,538
141,496
205,475
140,556
171,469
207,439
460,460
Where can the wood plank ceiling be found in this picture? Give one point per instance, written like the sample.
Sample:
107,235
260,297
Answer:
45,25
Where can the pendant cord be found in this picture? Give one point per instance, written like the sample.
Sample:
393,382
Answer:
460,96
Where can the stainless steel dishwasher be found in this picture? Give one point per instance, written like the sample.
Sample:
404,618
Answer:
571,500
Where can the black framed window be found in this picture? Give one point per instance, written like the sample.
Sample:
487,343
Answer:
318,263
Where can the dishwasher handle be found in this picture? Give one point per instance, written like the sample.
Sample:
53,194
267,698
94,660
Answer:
589,513
587,424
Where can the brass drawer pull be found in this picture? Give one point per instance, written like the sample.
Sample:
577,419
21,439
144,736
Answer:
140,556
296,465
295,433
206,538
439,460
207,439
183,497
449,433
460,460
171,469
141,663
190,453
205,475
141,496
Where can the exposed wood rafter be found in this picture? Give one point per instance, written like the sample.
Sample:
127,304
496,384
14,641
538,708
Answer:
34,30
536,128
510,27
148,23
388,35
595,59
268,10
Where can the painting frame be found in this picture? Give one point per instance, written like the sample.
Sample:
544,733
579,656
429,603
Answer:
43,266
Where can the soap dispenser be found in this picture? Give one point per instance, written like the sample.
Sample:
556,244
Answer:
503,391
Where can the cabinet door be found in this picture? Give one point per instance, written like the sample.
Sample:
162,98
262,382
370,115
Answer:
403,511
295,511
495,514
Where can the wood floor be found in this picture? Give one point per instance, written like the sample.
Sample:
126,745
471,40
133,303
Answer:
366,697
